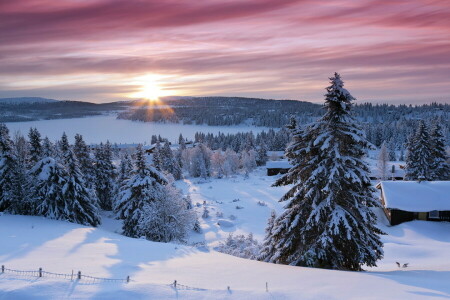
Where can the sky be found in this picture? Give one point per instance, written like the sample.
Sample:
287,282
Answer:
389,51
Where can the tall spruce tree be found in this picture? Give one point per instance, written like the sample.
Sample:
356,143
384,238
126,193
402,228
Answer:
144,187
327,221
49,177
9,197
104,176
440,169
82,153
79,198
35,146
419,157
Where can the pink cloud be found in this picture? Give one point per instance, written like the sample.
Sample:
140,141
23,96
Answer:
282,49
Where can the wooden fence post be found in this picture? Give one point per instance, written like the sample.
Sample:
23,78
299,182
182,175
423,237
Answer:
174,283
71,277
128,278
79,274
40,272
267,287
3,268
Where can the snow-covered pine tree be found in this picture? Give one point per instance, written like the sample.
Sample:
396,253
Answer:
144,187
392,155
49,177
327,221
81,204
157,156
9,197
418,157
261,157
35,148
168,161
47,148
86,163
104,176
20,200
267,246
63,147
440,169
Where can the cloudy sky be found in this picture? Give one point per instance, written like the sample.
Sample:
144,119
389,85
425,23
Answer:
395,51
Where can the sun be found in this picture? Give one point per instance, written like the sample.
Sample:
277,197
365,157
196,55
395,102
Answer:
151,92
149,88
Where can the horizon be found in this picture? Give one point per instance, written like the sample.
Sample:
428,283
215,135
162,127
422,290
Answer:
392,52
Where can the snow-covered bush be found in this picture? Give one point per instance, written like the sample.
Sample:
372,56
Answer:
240,246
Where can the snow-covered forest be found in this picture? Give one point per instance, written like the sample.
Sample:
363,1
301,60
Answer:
328,217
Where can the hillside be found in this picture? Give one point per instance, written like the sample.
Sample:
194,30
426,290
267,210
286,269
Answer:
32,242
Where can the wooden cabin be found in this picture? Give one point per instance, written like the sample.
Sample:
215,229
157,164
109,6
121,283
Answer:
404,201
277,167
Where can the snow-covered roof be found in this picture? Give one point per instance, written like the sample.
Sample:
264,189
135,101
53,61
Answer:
416,196
278,164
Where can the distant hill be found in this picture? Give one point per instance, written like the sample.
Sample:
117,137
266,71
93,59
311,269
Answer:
20,100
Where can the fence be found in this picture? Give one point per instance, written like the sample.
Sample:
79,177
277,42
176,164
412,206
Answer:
79,276
72,276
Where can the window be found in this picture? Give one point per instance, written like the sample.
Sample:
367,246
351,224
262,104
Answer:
433,214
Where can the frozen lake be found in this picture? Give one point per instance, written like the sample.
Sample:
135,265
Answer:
101,128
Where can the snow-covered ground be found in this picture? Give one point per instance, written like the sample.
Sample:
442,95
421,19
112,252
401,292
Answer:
101,128
27,243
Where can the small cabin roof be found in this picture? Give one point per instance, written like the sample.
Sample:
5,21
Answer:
415,196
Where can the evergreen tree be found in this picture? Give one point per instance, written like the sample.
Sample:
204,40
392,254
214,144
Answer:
49,177
104,176
35,146
144,187
158,156
327,221
440,169
47,148
418,157
80,201
63,147
20,203
267,246
9,197
86,163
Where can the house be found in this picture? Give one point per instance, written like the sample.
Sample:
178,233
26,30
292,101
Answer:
277,167
413,200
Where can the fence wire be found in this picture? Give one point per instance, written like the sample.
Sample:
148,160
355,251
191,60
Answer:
79,276
73,276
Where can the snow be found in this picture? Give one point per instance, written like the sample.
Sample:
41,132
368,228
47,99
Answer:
101,128
278,164
28,243
417,196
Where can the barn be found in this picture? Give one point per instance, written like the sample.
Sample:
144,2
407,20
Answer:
413,200
277,167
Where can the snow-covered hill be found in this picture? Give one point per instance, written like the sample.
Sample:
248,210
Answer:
27,243
20,100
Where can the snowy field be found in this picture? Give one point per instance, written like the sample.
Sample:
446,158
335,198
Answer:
101,128
28,243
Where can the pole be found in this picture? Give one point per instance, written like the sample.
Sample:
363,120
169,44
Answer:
40,272
79,274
